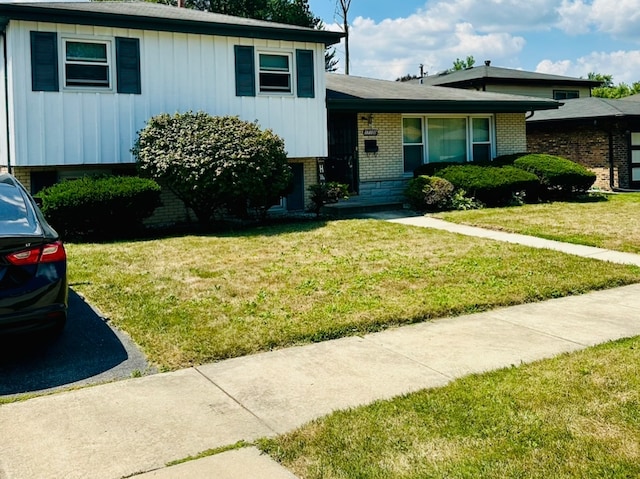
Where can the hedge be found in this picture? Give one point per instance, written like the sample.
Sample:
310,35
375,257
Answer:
100,207
559,178
493,186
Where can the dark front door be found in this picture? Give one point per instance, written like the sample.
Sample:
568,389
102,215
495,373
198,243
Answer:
342,163
634,163
295,199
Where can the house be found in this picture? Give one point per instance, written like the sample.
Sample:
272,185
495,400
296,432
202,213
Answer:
81,79
380,131
599,133
516,82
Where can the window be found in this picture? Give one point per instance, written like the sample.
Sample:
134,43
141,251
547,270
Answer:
481,139
275,73
413,144
86,64
445,139
565,94
282,73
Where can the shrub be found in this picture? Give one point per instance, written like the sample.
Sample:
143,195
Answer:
100,207
212,163
323,193
430,169
504,160
493,186
429,193
559,178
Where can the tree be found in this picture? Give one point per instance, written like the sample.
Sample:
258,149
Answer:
407,77
344,9
214,164
330,61
607,89
463,64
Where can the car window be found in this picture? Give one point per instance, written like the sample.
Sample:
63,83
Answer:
16,217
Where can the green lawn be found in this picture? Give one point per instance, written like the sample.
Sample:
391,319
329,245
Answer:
195,299
575,416
612,224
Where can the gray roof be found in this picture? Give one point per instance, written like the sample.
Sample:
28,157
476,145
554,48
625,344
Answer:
159,17
635,97
587,108
347,92
502,75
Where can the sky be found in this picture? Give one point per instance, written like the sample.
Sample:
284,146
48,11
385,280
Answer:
391,38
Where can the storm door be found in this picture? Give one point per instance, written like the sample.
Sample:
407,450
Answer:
634,164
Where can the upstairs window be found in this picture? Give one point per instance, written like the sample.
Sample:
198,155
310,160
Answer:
565,94
275,73
104,65
86,64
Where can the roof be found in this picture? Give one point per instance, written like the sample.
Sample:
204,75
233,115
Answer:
488,74
159,17
357,94
589,108
635,97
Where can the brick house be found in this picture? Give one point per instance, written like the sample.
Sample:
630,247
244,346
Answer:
601,134
380,131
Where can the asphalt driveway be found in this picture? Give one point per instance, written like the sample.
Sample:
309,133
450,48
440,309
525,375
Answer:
89,351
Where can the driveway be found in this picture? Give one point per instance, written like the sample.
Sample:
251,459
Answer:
89,351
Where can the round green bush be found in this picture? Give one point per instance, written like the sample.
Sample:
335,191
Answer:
429,193
100,207
559,177
215,164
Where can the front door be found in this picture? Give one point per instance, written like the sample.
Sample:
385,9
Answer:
634,164
295,199
342,164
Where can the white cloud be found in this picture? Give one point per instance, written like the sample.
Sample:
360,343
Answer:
621,20
623,65
393,48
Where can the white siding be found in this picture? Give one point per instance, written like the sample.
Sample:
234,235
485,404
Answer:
179,72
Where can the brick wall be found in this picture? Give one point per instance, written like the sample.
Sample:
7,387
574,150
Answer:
387,163
173,209
511,133
588,144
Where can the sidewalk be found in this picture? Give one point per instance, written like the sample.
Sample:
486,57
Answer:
136,426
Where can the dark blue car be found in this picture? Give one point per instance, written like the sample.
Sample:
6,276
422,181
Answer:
33,265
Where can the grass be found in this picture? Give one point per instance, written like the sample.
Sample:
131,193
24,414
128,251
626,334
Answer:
197,299
611,224
575,416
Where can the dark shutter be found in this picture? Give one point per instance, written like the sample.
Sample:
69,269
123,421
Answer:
44,61
304,73
128,65
245,71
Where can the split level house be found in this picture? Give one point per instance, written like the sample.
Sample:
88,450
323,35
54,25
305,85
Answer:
81,79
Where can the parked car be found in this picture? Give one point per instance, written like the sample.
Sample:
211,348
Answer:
33,265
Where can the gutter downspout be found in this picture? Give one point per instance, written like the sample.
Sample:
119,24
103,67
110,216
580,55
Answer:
4,21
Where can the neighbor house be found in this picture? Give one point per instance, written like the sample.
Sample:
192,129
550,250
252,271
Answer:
601,134
516,82
81,79
381,131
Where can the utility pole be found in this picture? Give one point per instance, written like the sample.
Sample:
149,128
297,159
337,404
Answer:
344,11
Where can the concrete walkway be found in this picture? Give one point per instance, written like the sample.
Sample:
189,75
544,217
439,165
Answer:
134,427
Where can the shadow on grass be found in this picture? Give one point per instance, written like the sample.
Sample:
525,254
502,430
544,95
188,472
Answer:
271,227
